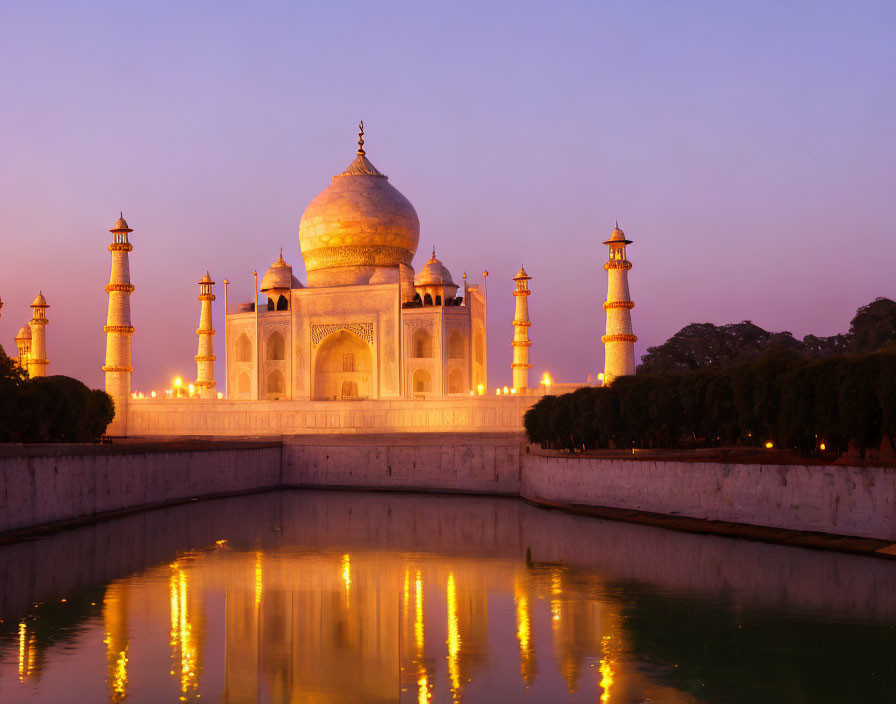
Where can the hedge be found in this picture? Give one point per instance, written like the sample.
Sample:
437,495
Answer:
781,398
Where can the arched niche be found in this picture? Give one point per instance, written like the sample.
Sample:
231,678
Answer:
343,357
243,348
422,382
422,348
275,349
244,385
456,345
282,303
274,386
456,382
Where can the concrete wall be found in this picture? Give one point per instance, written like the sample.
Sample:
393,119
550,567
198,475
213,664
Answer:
481,463
857,501
43,489
157,416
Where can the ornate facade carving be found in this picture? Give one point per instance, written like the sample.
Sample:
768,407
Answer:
363,330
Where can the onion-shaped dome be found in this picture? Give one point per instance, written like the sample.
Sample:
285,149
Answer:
121,225
279,276
359,220
434,273
23,334
39,301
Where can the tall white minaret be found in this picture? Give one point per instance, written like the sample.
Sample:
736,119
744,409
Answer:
118,327
521,324
205,359
619,342
37,359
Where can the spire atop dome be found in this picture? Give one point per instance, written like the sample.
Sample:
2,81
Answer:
361,151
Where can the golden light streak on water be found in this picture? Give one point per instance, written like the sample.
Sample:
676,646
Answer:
454,641
183,645
556,591
259,579
423,679
23,633
120,676
347,576
606,670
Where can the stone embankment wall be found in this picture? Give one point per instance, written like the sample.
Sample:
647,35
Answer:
57,487
63,485
470,462
856,501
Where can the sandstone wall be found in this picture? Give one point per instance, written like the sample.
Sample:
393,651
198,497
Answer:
858,501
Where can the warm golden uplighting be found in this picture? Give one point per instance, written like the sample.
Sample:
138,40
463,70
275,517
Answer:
822,447
512,390
152,394
178,382
259,579
769,445
506,390
453,636
423,679
480,389
220,395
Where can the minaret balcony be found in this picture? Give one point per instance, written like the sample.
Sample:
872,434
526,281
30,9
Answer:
617,264
618,304
619,337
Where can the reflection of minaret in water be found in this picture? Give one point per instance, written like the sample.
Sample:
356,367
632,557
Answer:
522,595
115,628
187,633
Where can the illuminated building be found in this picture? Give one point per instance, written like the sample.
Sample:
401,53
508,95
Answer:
619,342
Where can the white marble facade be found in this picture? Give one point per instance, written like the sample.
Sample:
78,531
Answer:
365,326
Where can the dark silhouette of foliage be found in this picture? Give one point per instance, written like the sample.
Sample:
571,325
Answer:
844,401
49,409
873,326
708,346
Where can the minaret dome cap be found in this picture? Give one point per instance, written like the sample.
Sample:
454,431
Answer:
121,225
23,334
617,236
521,274
434,273
39,301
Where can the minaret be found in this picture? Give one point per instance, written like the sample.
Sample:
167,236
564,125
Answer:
205,359
37,359
23,343
521,342
619,342
118,327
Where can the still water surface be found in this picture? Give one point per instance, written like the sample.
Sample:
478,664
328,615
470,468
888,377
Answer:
308,596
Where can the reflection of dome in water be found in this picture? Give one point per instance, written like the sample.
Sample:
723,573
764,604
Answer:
360,220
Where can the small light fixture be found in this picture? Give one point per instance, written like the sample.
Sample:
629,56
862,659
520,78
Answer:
769,445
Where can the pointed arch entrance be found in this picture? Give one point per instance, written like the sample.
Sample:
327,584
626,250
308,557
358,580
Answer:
343,368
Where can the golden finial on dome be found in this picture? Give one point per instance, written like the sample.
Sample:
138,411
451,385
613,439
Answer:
361,151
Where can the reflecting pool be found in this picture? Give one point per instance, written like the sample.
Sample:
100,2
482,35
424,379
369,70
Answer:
329,596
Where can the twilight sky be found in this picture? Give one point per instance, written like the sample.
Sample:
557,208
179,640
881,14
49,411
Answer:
746,147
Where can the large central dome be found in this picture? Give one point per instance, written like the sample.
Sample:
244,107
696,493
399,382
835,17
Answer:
357,224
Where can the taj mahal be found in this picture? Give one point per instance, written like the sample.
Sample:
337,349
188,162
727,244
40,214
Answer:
408,347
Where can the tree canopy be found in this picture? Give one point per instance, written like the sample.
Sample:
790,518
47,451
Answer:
708,346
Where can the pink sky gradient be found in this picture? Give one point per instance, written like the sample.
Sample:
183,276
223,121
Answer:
747,148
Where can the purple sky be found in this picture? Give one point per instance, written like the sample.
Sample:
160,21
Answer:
746,147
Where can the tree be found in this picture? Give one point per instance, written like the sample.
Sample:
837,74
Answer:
873,326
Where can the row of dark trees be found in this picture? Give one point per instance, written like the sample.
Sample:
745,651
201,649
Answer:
49,409
782,397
